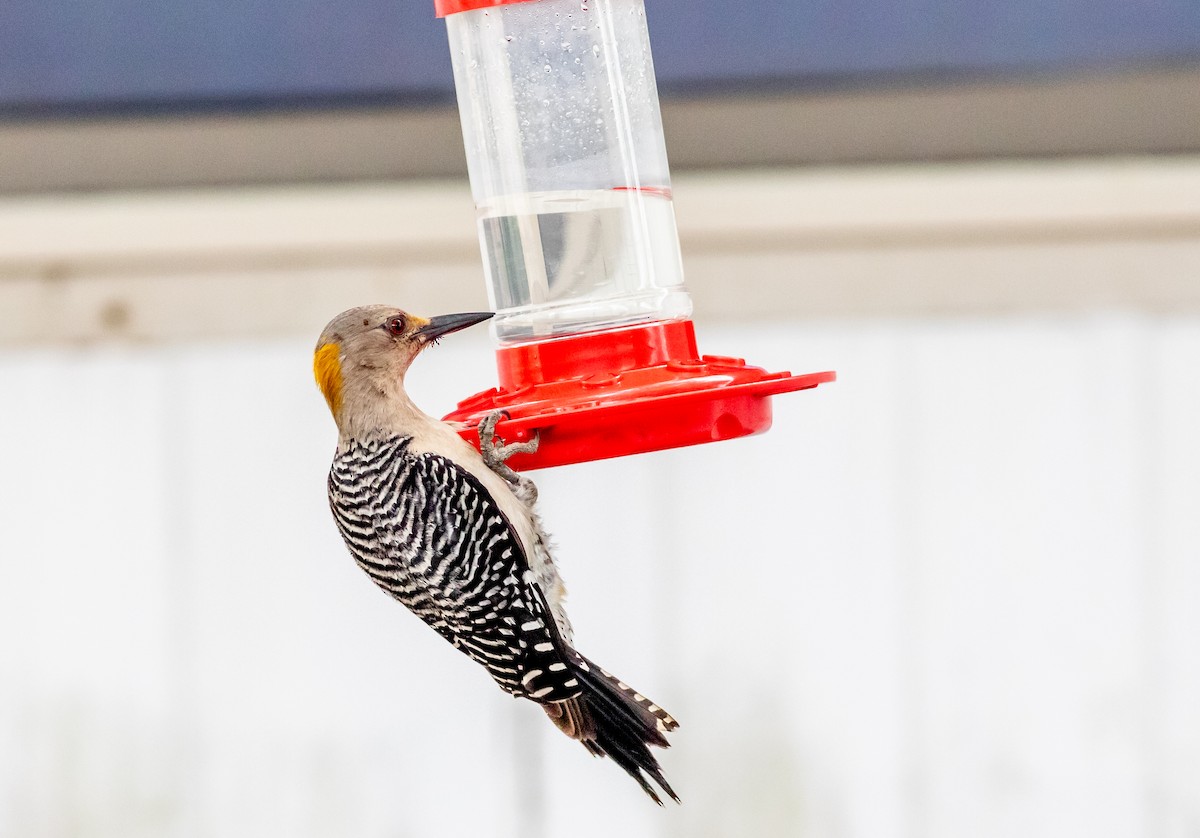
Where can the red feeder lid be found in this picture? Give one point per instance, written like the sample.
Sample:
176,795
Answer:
624,391
453,7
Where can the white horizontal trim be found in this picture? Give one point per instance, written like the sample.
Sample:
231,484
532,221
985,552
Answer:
814,207
234,227
818,242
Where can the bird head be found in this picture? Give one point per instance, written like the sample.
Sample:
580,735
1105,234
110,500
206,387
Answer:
376,344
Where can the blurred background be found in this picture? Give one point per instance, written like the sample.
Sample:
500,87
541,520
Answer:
955,593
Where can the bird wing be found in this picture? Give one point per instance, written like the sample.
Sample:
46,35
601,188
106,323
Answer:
430,534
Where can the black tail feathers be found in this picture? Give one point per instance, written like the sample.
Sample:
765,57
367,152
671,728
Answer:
624,724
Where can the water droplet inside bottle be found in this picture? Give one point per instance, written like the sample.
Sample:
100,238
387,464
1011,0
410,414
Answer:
596,50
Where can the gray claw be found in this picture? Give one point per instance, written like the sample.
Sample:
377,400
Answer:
495,452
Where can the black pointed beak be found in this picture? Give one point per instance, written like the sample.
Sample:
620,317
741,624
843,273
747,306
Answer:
444,324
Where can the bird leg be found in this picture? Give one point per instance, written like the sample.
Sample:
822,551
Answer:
496,453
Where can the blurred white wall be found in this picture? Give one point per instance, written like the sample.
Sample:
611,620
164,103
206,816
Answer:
955,593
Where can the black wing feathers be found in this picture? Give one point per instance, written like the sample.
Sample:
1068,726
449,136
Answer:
429,533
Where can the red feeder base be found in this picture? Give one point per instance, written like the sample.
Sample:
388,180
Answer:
624,391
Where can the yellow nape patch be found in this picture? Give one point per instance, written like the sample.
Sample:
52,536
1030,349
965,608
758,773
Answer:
327,367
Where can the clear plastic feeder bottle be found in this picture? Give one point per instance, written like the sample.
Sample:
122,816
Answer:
568,166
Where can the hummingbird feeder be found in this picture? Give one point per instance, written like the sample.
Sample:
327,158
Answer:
597,352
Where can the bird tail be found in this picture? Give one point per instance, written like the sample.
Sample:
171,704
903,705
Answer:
613,720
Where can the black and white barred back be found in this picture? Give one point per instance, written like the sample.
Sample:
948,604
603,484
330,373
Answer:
429,534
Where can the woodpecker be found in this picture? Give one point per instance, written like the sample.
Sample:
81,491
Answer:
453,534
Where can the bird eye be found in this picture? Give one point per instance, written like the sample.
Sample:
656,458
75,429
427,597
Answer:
396,325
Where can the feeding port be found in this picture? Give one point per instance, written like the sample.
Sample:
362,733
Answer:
597,353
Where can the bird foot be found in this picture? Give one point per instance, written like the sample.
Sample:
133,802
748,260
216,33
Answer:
496,453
